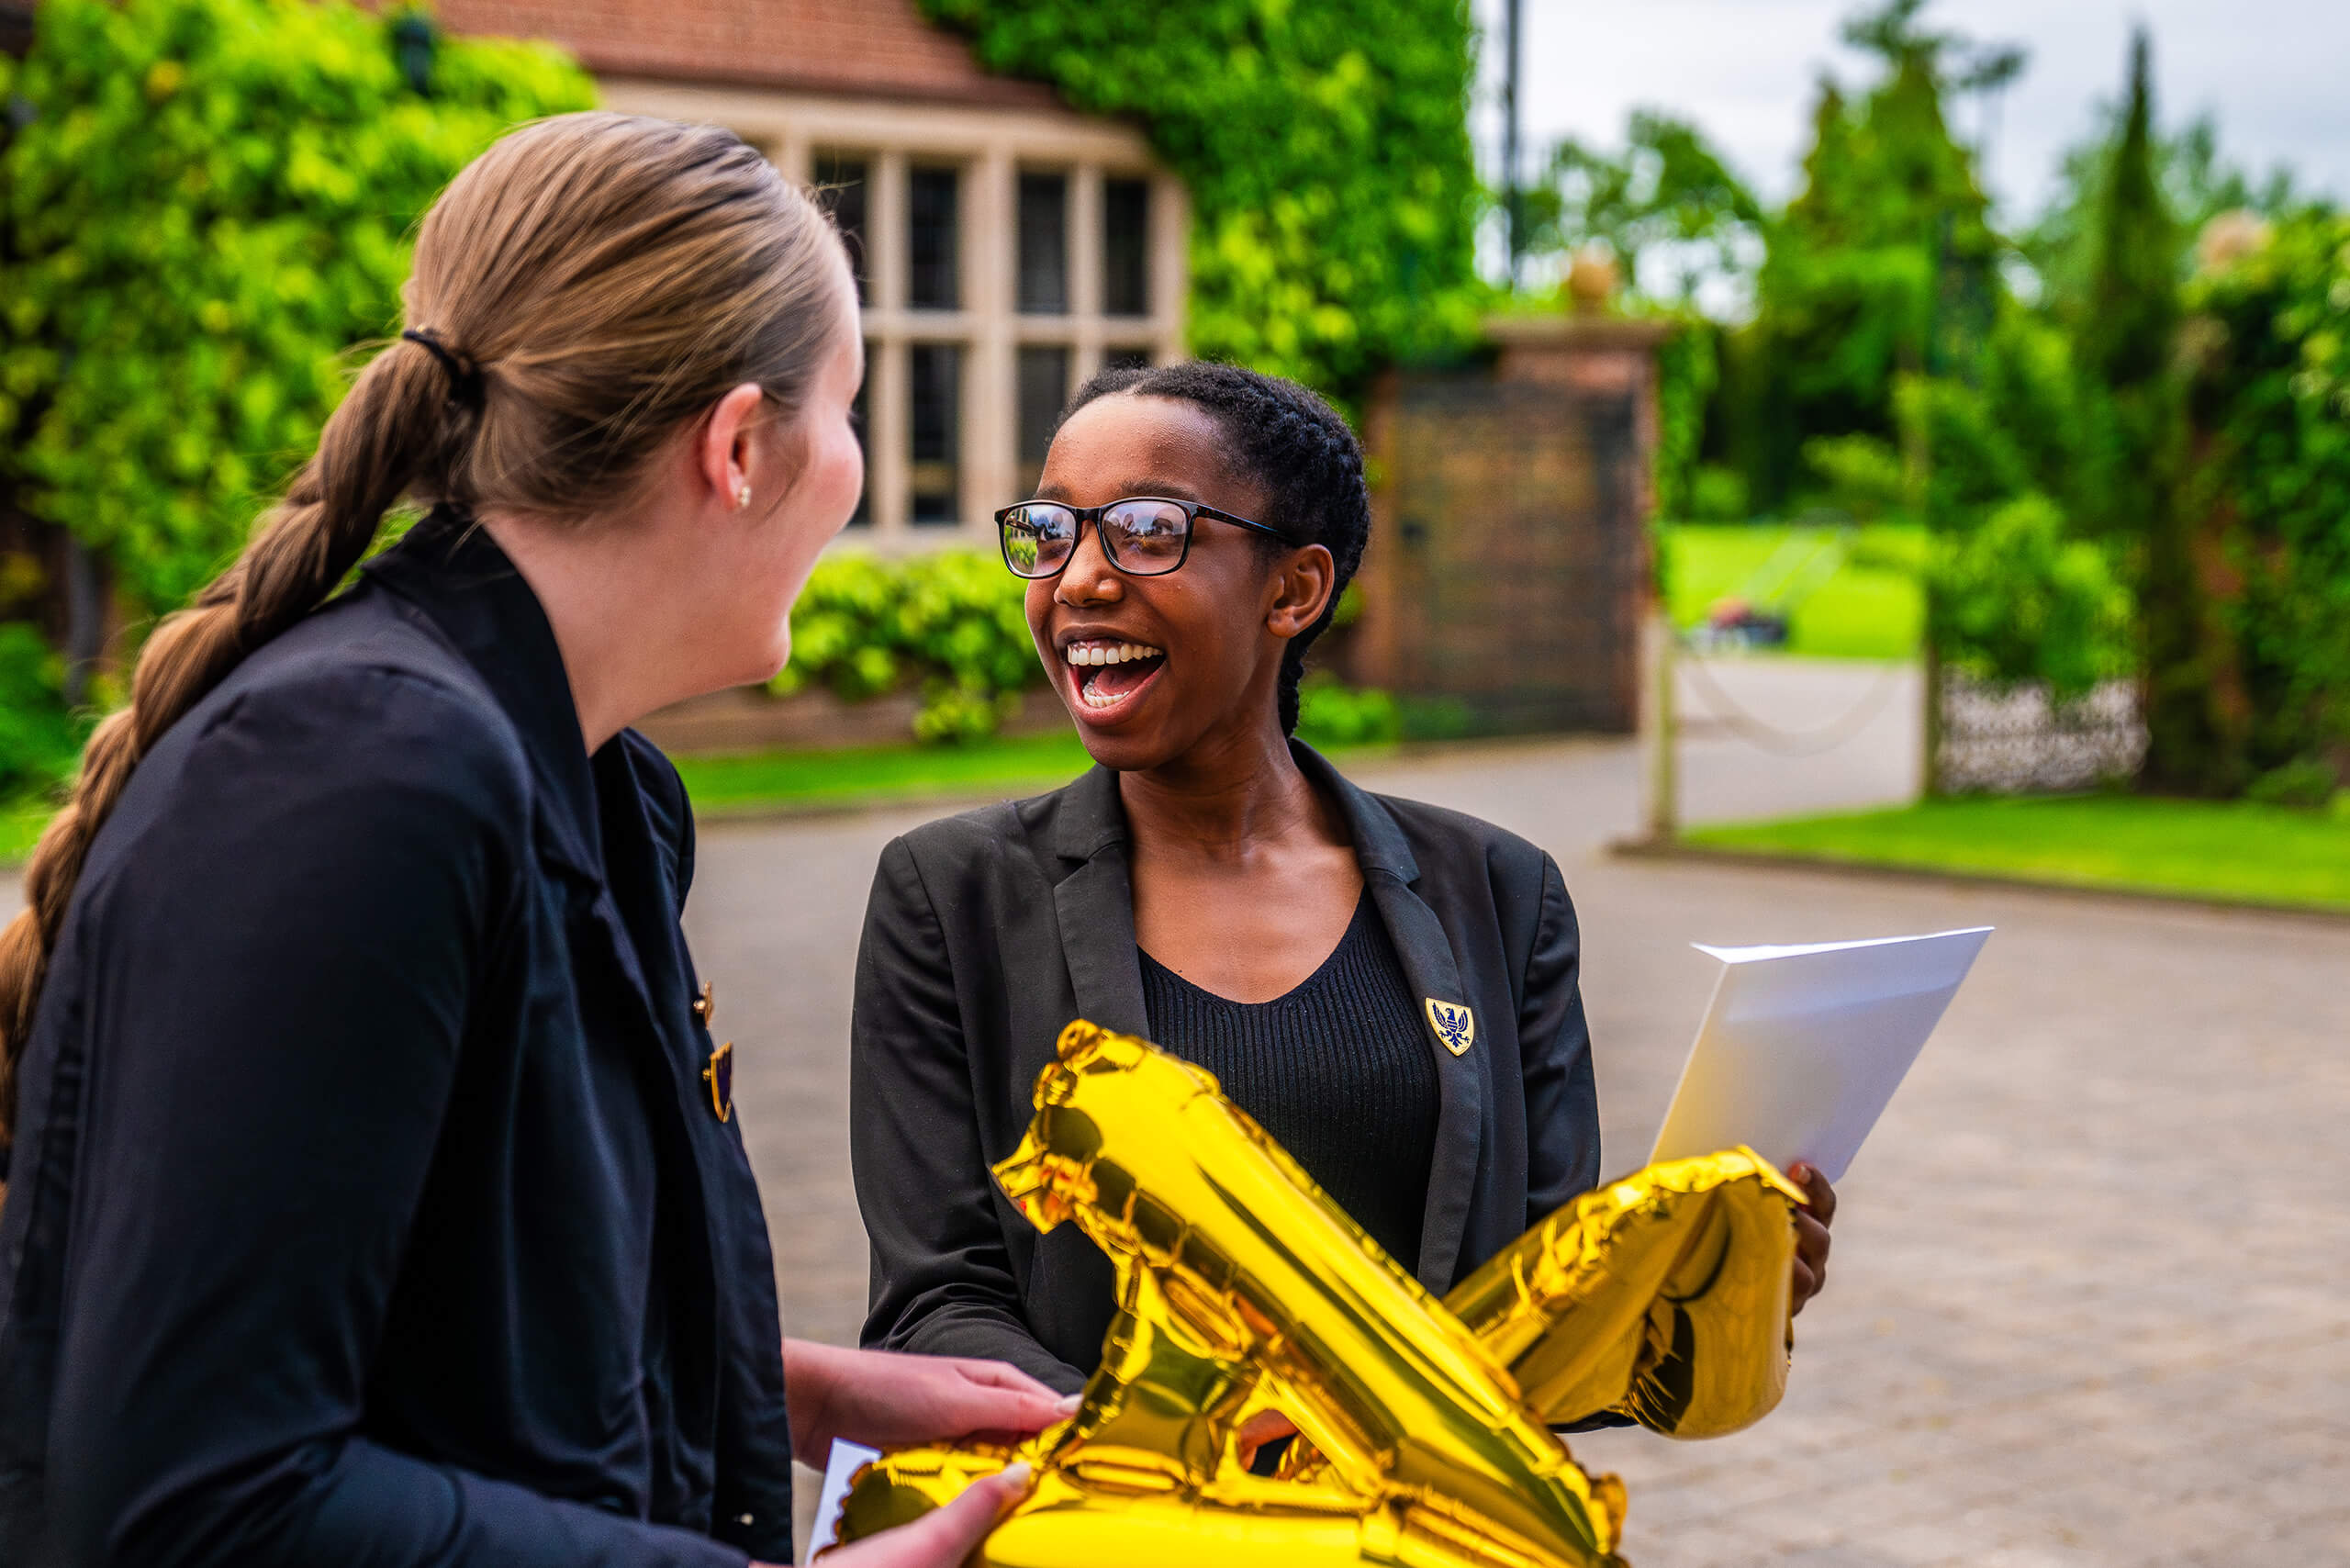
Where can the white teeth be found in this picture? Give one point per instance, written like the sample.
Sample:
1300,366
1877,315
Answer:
1092,654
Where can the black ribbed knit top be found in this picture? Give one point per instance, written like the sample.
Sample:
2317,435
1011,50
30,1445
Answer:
1337,1071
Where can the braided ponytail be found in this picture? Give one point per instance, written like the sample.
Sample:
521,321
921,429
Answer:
1294,447
588,286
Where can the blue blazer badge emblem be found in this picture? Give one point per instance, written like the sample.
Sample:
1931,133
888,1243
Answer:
1454,1024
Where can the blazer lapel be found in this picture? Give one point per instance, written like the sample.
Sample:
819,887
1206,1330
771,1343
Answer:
1390,871
1460,1123
1094,906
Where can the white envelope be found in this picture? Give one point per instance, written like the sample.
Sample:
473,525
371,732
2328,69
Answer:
845,1460
1804,1045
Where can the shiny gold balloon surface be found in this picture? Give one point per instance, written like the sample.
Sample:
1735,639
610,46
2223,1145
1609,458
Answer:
1425,1424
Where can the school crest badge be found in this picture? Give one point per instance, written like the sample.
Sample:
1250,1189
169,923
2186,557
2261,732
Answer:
1454,1024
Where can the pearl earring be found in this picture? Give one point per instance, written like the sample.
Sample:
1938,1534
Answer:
742,496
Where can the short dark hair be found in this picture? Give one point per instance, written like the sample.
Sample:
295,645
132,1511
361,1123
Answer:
1294,447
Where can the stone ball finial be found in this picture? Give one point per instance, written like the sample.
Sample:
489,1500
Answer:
2228,238
1591,282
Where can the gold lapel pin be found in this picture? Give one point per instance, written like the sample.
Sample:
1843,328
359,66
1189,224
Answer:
1454,1024
706,1004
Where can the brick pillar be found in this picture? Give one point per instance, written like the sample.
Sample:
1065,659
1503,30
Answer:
1510,573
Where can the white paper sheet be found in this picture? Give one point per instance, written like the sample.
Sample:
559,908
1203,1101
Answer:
1804,1045
845,1460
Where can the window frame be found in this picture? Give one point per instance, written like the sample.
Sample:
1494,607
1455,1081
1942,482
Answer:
990,152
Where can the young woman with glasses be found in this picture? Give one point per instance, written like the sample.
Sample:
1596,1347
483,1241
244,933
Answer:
1389,989
375,1195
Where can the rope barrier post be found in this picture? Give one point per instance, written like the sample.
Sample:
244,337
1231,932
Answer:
1930,778
1659,726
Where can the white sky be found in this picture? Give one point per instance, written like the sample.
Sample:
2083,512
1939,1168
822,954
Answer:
2277,74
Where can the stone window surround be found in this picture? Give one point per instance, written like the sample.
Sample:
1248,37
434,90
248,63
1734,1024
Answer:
991,146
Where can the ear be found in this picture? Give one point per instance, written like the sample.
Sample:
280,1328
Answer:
1301,589
731,457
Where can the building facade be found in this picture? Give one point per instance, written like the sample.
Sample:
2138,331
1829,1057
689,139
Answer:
1007,246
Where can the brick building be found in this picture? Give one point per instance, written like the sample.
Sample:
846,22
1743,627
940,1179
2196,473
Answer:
1008,246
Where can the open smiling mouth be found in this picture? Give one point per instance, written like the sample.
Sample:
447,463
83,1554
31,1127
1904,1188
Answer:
1108,675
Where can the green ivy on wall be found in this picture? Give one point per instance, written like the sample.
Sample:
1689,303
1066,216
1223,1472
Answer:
1326,145
206,202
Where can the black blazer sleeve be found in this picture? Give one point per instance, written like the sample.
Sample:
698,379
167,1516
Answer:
943,1284
1562,1100
270,1126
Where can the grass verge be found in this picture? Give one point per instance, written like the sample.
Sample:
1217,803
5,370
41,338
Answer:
756,782
1871,609
2231,851
761,781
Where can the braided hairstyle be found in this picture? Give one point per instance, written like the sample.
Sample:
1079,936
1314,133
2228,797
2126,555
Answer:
1294,447
580,291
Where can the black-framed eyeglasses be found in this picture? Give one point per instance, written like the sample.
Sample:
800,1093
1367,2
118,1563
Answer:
1144,536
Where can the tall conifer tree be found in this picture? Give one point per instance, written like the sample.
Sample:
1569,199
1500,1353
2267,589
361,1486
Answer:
2128,350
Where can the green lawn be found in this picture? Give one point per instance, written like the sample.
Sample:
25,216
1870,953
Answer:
21,820
2227,850
1871,609
755,782
763,780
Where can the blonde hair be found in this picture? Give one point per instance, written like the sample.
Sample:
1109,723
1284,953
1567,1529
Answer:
580,291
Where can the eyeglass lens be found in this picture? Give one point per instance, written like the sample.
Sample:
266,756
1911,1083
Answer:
1144,537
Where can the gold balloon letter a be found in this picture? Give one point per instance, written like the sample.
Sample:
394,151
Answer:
1425,1436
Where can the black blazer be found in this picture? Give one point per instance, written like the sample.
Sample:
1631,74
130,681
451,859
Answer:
988,932
368,1203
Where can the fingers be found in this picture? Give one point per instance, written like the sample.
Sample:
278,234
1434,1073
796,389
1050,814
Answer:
1812,1243
1265,1425
995,1396
942,1538
948,1535
1262,1427
1820,1198
1000,1374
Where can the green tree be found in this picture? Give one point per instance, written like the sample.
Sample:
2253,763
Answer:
207,203
1326,143
2267,490
2198,181
2128,342
1667,205
1884,263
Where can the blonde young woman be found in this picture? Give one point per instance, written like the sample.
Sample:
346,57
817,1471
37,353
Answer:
374,1193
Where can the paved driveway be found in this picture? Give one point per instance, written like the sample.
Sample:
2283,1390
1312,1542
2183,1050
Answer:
2091,1293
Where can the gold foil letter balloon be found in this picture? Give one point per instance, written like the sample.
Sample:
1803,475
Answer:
1426,1424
